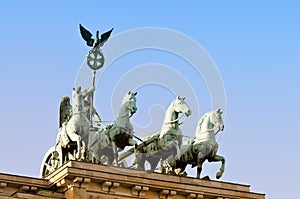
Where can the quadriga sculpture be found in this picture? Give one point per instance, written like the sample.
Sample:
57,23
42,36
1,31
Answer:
166,143
73,127
203,146
105,141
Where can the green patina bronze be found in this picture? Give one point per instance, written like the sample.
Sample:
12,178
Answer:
165,144
79,139
203,146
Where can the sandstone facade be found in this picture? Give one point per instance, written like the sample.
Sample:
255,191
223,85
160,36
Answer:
79,180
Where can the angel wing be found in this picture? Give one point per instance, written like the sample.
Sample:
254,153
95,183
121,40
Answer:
105,36
65,110
86,35
97,42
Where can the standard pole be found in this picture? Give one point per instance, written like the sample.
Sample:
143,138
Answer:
92,99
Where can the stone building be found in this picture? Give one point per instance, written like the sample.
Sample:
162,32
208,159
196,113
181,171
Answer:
79,180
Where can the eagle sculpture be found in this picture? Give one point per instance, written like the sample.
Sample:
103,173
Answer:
97,42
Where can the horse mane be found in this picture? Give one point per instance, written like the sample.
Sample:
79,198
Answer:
201,121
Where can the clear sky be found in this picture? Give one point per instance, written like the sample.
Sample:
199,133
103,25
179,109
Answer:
255,48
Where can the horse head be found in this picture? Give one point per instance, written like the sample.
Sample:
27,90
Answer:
180,106
130,101
216,119
77,99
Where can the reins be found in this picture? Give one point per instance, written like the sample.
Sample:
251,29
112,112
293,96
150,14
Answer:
176,120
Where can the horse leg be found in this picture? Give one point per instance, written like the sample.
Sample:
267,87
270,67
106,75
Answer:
166,167
162,168
78,141
173,159
199,169
109,159
114,147
177,157
83,149
58,148
153,163
71,132
218,158
139,161
133,143
200,160
134,161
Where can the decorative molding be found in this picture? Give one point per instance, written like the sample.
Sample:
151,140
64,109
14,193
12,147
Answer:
163,194
171,194
85,183
191,196
139,191
114,186
136,190
24,188
143,192
77,182
106,185
200,195
2,186
74,181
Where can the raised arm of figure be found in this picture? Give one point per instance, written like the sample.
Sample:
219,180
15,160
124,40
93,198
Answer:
97,117
88,91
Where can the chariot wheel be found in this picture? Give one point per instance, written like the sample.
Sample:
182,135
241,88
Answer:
50,162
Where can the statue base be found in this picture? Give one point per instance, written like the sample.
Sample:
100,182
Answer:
80,180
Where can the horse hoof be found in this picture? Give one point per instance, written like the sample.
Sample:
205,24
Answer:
79,157
205,178
184,174
219,175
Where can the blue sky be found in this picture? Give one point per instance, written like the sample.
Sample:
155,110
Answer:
254,44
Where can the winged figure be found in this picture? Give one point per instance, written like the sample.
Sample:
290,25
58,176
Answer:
97,42
65,110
